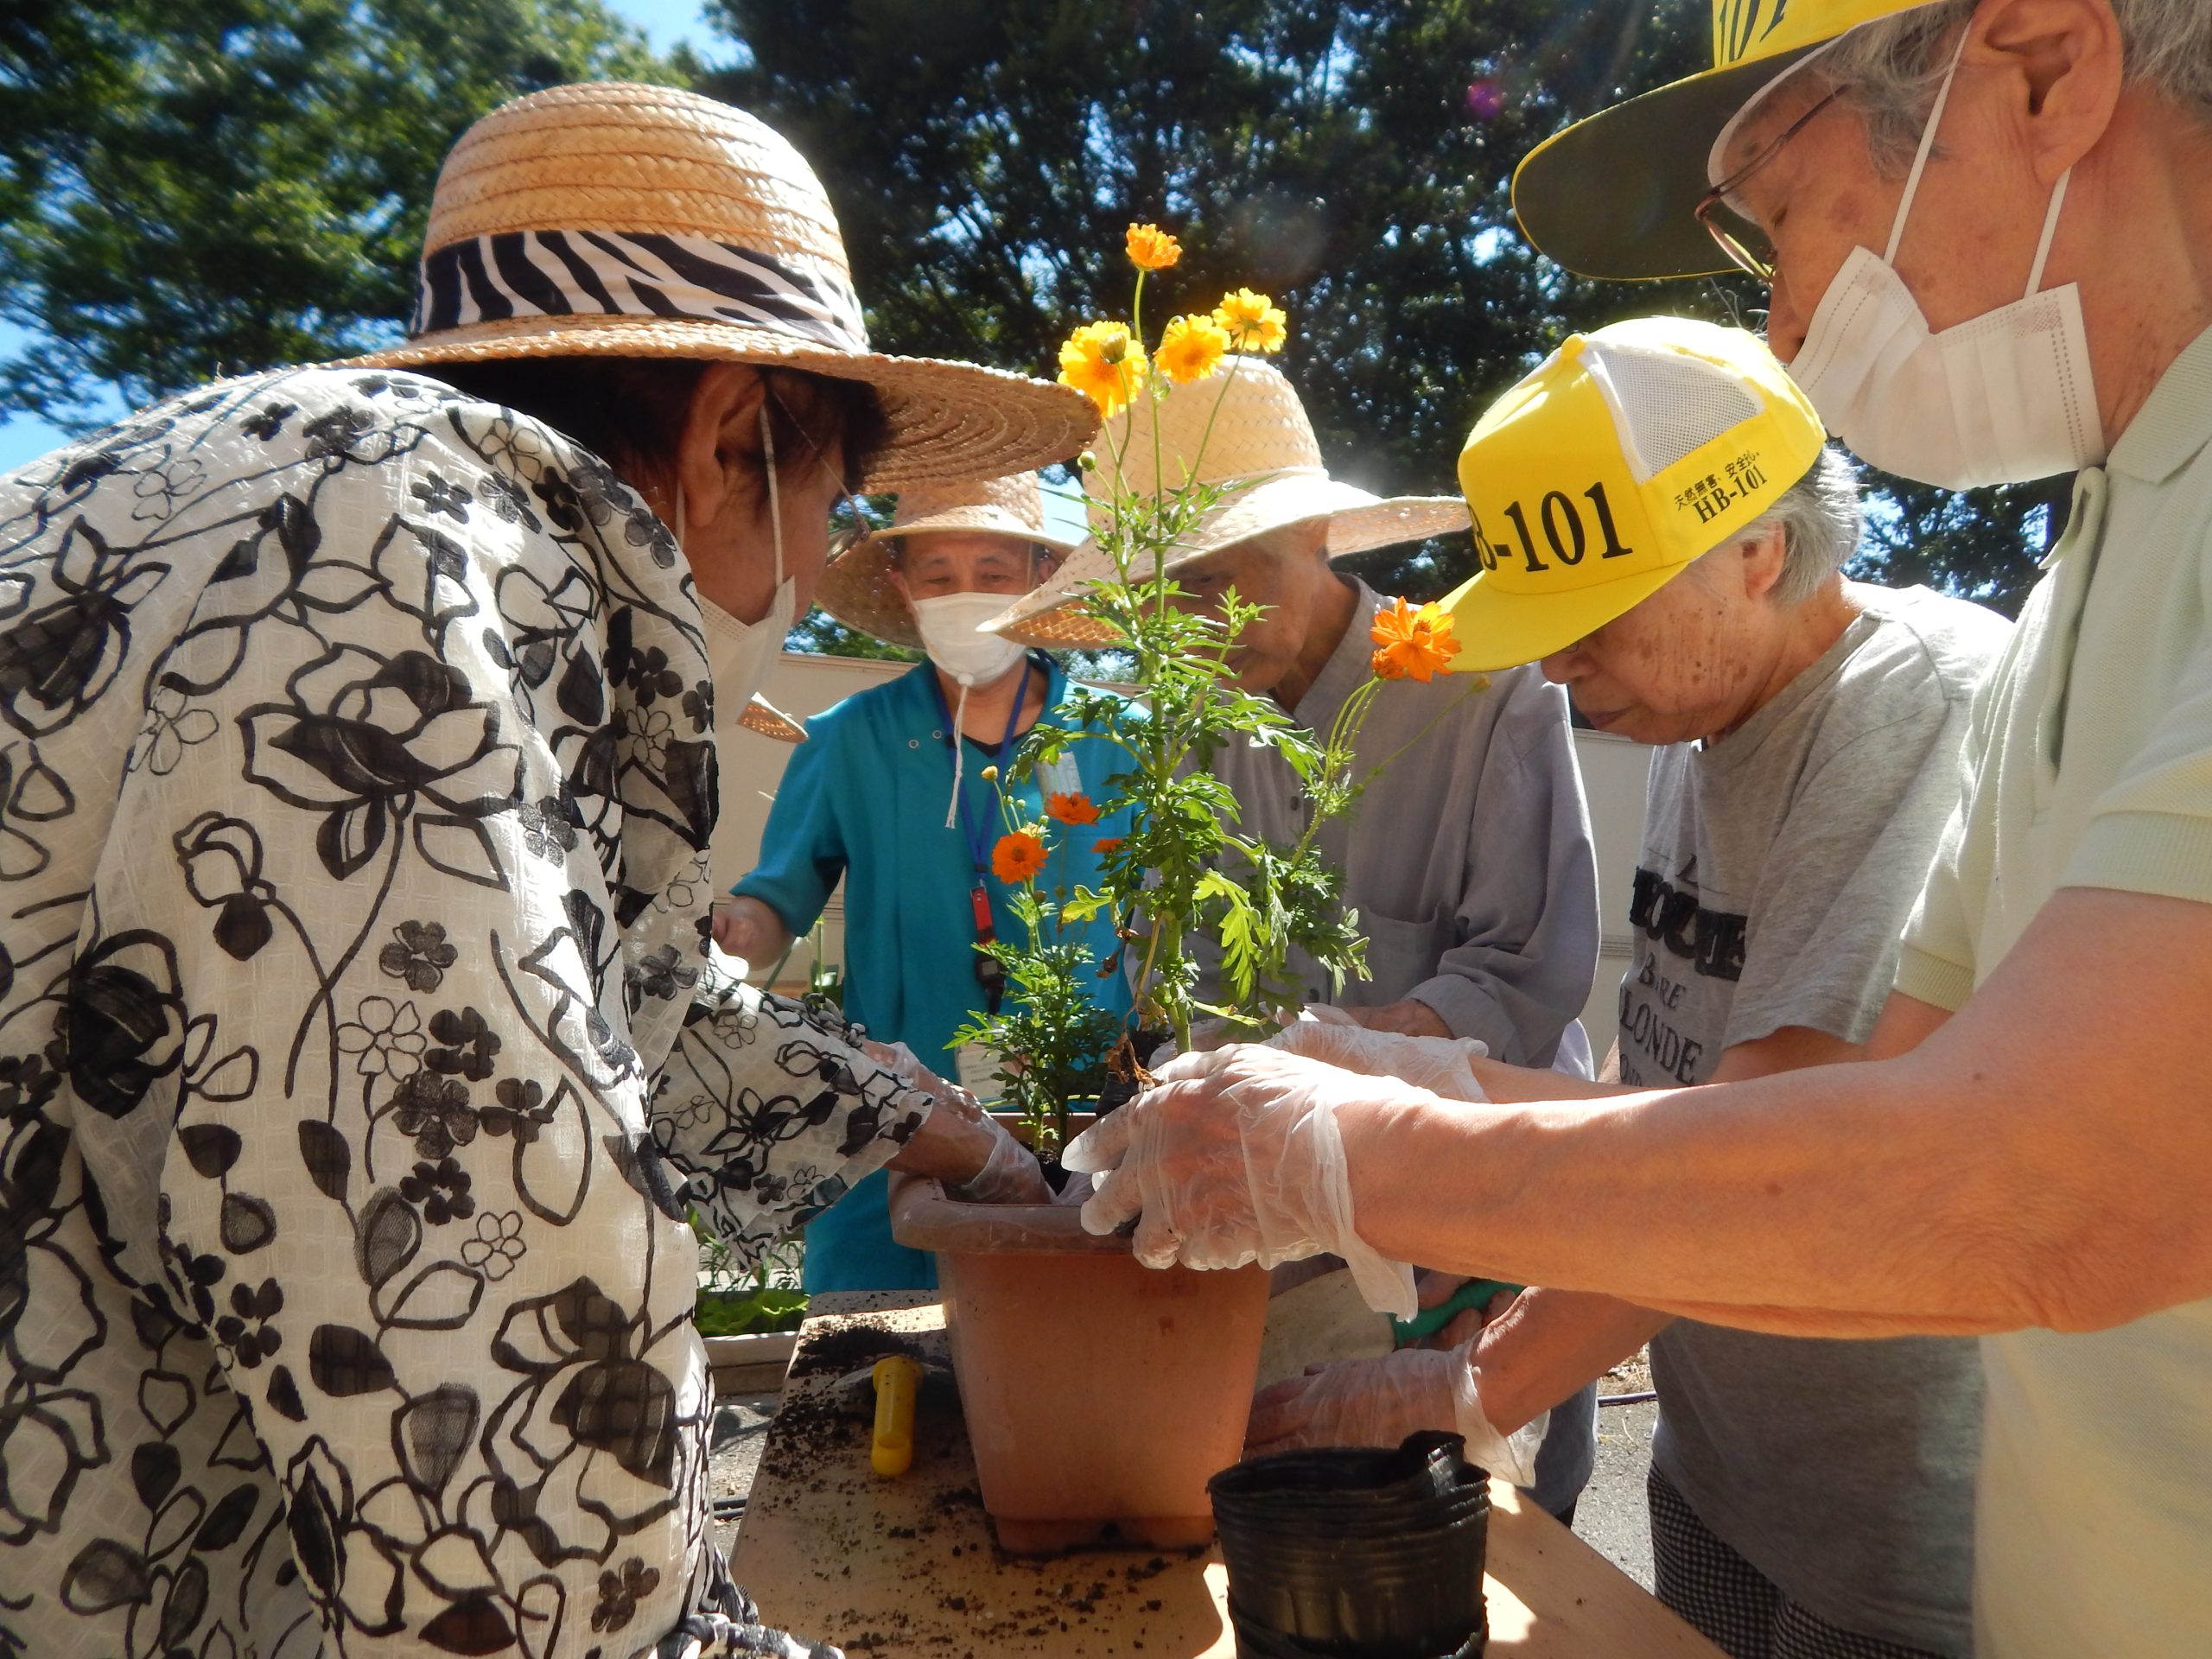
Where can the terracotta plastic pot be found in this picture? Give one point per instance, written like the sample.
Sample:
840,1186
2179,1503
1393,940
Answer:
1100,1395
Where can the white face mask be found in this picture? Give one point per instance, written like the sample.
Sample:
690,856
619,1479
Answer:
741,654
948,625
2003,398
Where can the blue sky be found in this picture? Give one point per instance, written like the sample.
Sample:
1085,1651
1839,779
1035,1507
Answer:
23,439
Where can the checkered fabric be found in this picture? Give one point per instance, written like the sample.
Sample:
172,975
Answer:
1734,1605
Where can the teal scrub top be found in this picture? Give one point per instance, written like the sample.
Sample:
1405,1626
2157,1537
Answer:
864,799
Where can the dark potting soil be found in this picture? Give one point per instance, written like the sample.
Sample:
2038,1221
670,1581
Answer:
836,1353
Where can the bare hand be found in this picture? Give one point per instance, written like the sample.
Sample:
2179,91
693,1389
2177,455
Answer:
750,929
1412,1016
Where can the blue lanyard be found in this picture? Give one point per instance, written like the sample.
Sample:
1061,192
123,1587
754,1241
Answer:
978,840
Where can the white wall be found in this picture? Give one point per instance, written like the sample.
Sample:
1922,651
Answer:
1613,770
1613,773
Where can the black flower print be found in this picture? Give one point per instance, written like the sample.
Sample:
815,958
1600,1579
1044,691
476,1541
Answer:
246,1329
270,420
618,1594
222,857
357,919
698,705
498,1244
441,1189
467,1045
507,500
647,734
520,1110
363,739
172,726
159,489
436,1111
386,1038
564,507
663,973
419,954
548,830
63,656
438,496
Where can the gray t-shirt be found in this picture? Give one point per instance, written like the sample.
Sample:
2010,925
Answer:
1468,857
1778,868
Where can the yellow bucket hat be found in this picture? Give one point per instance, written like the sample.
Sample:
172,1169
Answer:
1629,453
1615,196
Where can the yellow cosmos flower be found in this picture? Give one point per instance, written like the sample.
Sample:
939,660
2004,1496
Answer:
1102,362
1151,248
1191,349
1253,321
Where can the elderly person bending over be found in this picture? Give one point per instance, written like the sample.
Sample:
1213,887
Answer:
1808,1498
363,1052
2023,1153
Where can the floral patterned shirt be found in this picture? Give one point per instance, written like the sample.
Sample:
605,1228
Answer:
361,1050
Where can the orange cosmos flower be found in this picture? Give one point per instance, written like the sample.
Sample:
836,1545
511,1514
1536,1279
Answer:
1071,809
1017,857
1412,643
1191,349
1111,844
1151,248
1252,322
1103,363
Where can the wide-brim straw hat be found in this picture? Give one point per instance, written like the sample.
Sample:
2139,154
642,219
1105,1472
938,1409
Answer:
857,587
608,219
1244,429
763,716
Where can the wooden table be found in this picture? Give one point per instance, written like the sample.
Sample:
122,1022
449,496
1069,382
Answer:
908,1565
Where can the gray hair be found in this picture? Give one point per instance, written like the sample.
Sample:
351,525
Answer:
1818,516
1890,70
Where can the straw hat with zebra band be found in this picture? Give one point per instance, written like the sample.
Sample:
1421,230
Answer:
857,589
1249,435
607,218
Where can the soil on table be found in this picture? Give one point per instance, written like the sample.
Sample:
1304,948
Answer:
850,1349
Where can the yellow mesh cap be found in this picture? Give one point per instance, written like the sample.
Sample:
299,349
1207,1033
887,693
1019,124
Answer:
1627,454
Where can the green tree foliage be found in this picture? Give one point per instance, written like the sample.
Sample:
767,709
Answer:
1353,159
194,187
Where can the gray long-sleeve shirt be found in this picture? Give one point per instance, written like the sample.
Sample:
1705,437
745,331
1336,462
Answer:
1469,859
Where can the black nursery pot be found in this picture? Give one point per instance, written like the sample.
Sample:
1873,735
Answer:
1348,1551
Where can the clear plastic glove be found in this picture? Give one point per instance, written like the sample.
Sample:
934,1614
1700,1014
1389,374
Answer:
1232,1158
1379,1401
1009,1175
903,1064
1436,1063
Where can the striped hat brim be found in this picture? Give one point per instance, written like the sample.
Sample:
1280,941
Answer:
945,419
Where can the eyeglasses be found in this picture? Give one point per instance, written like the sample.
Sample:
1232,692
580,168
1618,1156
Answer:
843,537
1748,247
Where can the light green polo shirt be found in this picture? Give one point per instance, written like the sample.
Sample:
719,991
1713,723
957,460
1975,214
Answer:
2090,764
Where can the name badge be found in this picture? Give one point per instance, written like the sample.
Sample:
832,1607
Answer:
1060,776
977,1065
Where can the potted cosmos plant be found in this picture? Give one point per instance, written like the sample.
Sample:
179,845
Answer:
1100,1394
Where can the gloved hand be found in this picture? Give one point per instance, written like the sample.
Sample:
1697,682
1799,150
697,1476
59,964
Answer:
903,1064
1009,1175
1437,1064
1379,1401
1235,1157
